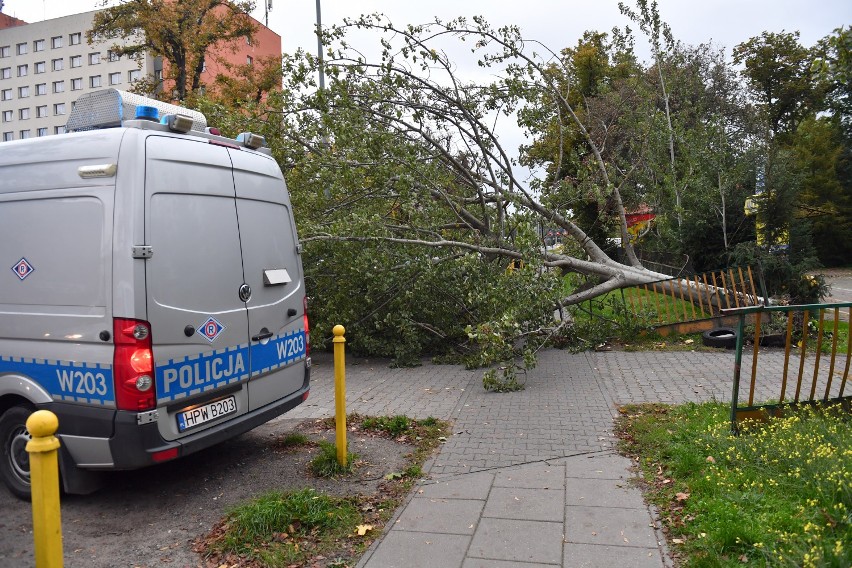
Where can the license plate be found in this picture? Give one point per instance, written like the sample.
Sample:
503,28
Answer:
211,411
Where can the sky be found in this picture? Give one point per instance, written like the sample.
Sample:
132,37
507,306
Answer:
557,24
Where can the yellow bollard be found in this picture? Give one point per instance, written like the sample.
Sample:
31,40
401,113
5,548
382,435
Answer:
340,393
44,478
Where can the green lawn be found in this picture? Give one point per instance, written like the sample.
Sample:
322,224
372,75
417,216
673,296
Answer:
780,494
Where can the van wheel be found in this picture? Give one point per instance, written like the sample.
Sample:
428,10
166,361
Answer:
15,461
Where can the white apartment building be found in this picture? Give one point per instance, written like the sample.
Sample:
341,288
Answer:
46,66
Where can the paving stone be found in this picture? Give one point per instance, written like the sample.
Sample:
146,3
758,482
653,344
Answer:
470,486
455,516
598,466
523,541
539,475
403,549
603,493
599,556
528,504
609,526
489,563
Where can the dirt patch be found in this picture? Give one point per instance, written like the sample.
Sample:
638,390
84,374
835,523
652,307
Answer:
151,517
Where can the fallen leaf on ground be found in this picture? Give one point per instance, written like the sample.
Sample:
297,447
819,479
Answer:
682,496
362,529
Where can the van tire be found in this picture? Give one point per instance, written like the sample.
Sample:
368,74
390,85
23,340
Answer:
721,337
14,460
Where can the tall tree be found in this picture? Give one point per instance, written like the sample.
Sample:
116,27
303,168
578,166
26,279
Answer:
778,71
182,32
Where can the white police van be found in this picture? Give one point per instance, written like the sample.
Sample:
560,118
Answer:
151,289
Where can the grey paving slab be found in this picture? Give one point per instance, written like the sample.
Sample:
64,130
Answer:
599,556
403,549
603,493
454,516
523,541
489,563
527,504
597,466
469,486
534,476
609,526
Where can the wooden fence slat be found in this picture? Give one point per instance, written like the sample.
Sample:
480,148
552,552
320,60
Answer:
817,353
751,282
787,345
657,302
806,316
746,301
833,354
848,356
734,288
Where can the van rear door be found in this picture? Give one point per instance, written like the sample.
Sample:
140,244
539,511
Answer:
193,277
273,271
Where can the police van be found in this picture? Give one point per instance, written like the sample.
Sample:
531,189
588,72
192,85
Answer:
151,289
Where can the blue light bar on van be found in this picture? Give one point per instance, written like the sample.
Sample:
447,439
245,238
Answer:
110,108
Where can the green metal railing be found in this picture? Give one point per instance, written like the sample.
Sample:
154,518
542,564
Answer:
805,341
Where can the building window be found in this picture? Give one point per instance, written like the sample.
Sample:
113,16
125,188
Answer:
59,86
95,81
57,64
158,74
41,132
112,56
38,45
24,134
5,51
94,58
115,78
76,61
134,75
8,136
249,60
76,84
22,49
23,70
59,129
41,89
23,92
56,42
7,116
39,67
74,39
24,114
41,111
6,95
6,73
58,109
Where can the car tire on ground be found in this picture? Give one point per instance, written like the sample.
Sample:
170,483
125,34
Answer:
720,337
14,459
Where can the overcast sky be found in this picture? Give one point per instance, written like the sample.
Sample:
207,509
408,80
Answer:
557,24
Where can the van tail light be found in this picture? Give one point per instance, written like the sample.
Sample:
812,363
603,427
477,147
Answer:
133,365
307,329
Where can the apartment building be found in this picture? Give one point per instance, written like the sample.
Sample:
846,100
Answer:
45,66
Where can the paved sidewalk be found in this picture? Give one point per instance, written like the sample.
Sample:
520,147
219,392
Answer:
528,478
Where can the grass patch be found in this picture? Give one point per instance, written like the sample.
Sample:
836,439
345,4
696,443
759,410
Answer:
282,529
325,463
309,528
780,494
294,440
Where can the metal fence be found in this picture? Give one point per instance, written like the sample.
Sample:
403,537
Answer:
696,296
808,338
